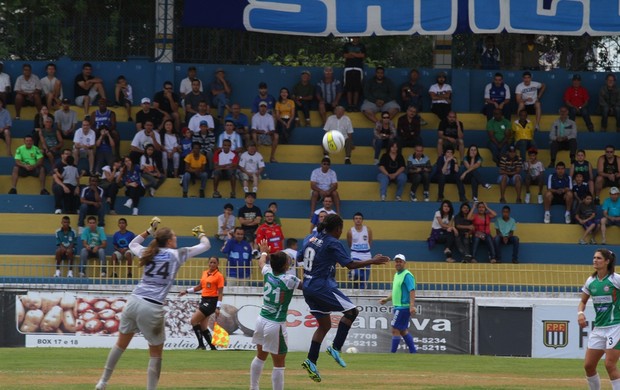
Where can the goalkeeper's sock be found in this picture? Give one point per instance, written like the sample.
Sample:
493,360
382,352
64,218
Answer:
395,342
313,353
277,378
152,376
615,384
198,333
409,341
256,369
594,382
113,357
207,334
341,335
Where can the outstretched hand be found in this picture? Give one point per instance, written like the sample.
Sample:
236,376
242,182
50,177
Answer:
155,221
198,231
263,246
380,259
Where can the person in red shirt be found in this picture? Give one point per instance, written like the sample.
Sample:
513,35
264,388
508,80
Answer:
271,232
576,99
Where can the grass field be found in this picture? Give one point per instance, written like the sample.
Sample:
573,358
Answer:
34,368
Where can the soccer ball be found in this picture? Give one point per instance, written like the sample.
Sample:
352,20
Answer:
333,141
352,350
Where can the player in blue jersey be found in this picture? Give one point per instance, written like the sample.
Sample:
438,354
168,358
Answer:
320,256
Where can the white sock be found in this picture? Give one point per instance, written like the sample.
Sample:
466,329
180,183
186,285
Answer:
594,382
152,374
113,357
256,369
277,378
615,384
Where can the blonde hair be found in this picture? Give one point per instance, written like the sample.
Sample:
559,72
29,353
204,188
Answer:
159,241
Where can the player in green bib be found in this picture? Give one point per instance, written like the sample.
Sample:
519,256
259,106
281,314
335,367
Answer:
604,287
270,334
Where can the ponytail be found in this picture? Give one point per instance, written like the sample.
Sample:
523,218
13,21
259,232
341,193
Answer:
161,238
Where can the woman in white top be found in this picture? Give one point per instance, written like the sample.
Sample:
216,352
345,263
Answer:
171,149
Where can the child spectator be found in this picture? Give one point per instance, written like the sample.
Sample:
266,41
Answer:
534,170
583,166
226,223
251,166
443,230
69,181
225,163
580,190
121,240
185,146
171,150
586,217
152,177
123,93
65,246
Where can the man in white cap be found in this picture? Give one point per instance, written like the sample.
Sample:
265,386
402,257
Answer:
611,212
403,299
148,114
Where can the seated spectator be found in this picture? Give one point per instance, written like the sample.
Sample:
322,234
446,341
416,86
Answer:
28,162
441,97
324,183
497,97
607,172
152,176
123,95
447,169
465,229
384,135
105,117
270,231
408,131
327,209
65,246
186,148
482,229
576,99
471,163
263,96
419,171
412,93
203,115
359,239
51,141
27,90
583,166
239,252
185,86
264,131
110,174
273,206
130,177
303,95
489,55
170,150
392,170
149,114
505,235
206,138
328,93
559,191
5,127
510,166
225,163
251,167
65,119
241,122
51,87
39,122
611,213
94,242
236,144
84,143
5,84
193,98
443,230
65,186
586,217
499,131
105,145
87,87
528,95
379,96
249,216
534,174
91,202
285,115
221,90
195,168
580,191
609,101
523,132
563,136
147,136
226,223
341,122
167,102
121,240
450,133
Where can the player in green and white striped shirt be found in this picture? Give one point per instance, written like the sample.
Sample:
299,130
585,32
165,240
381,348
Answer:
603,286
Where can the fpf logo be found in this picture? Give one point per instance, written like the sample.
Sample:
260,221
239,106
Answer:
555,334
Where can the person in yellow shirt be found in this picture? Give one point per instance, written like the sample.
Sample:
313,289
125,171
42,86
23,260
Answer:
195,167
285,115
523,131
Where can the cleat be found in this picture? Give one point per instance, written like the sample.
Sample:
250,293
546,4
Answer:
336,355
201,347
313,372
101,385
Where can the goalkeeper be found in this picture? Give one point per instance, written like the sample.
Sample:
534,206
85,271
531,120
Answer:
144,311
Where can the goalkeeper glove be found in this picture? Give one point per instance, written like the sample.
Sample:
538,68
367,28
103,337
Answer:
153,226
198,231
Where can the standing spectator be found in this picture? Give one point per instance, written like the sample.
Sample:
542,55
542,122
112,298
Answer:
328,93
497,96
471,163
28,162
586,217
193,99
87,87
559,191
134,189
528,94
27,90
324,183
510,166
167,102
609,101
359,239
65,246
123,93
5,127
147,136
271,232
105,117
264,131
263,96
534,174
563,136
186,84
251,167
51,87
65,119
450,134
384,135
530,53
490,56
611,213
241,122
170,150
448,172
120,241
505,235
443,230
285,115
341,122
91,203
419,171
84,143
147,114
221,90
94,242
441,97
226,223
249,216
607,172
105,145
379,96
482,229
5,84
465,229
523,131
354,53
408,131
315,218
236,144
576,98
412,93
152,176
303,95
225,163
583,166
66,186
51,141
195,168
499,131
392,169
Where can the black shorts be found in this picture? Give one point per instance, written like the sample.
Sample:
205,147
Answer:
530,108
353,80
329,107
207,305
558,199
609,183
23,172
224,173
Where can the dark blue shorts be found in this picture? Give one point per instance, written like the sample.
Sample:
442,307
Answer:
324,299
401,319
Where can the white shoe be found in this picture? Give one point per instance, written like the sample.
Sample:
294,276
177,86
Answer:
540,199
57,211
129,203
567,218
82,275
70,274
488,186
103,274
152,191
376,162
57,273
135,211
547,218
383,198
254,189
527,198
246,190
101,385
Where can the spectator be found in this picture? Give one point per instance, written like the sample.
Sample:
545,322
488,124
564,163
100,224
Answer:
251,167
170,150
285,115
499,131
354,53
482,229
471,163
609,101
291,252
528,95
193,98
510,166
105,145
359,239
263,96
441,97
221,90
328,93
51,141
195,168
152,176
451,134
5,84
236,144
84,142
576,99
148,136
225,163
241,122
66,119
490,56
303,95
239,252
65,246
39,121
586,217
94,242
559,191
443,230
123,93
104,117
110,175
341,122
563,136
384,135
28,162
226,223
202,115
530,53
465,229
324,183
271,232
448,172
392,170
583,166
134,189
412,93
5,127
505,235
91,202
379,96
66,185
315,218
51,87
167,102
408,131
249,216
607,172
580,190
87,87
273,206
147,114
419,171
27,90
120,241
206,138
264,131
497,97
523,131
186,84
186,148
534,171
611,213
